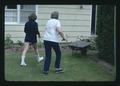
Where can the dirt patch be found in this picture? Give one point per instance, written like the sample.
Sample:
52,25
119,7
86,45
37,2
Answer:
106,66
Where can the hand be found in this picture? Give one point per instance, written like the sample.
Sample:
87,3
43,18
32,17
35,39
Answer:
63,39
39,36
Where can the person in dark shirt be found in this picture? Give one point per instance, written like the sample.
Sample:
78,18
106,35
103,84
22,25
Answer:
31,31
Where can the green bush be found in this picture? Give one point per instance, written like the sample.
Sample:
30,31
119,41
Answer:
8,41
92,43
20,43
91,40
105,32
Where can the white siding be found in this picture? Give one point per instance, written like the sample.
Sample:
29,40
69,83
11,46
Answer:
75,21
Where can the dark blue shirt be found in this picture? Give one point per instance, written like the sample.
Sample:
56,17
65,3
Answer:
31,27
31,30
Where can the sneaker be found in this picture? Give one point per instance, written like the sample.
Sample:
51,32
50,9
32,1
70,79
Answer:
40,59
60,70
23,64
45,72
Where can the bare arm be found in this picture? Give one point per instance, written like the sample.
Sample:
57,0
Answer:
37,32
39,35
61,34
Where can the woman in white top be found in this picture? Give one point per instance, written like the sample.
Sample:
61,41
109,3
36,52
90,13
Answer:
51,40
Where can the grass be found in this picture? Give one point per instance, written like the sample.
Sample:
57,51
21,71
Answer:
77,68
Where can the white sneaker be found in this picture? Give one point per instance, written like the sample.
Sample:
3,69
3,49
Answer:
23,64
40,59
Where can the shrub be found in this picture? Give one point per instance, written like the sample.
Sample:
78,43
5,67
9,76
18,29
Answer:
8,41
91,40
105,32
19,42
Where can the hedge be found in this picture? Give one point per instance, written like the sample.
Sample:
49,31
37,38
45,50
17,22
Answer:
105,32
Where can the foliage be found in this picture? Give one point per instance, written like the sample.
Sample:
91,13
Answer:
105,32
8,41
20,43
92,43
91,40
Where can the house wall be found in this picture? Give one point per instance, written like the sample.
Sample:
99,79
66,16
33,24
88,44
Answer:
75,21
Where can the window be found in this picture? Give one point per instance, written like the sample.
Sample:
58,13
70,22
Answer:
25,11
16,14
11,14
11,6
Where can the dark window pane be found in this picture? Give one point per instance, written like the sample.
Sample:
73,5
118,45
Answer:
25,11
21,6
11,6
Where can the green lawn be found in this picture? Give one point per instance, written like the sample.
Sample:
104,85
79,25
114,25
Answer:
77,68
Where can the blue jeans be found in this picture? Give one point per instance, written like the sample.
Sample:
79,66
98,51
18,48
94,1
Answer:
48,47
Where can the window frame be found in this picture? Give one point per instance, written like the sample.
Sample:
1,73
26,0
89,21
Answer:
18,15
93,19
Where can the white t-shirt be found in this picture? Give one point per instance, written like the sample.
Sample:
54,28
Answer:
51,33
